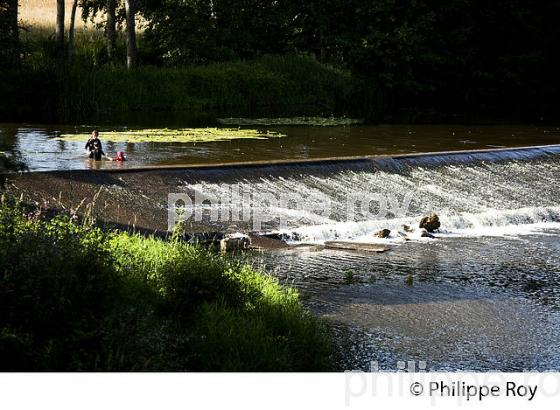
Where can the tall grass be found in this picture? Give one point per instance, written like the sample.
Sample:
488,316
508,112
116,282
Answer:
73,297
286,85
94,89
47,88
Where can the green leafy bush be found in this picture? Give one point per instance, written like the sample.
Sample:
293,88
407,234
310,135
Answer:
56,284
73,297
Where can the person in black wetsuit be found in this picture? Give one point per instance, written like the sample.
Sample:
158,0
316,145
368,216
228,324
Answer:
94,147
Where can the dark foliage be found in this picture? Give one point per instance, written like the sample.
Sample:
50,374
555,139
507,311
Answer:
467,56
407,58
9,44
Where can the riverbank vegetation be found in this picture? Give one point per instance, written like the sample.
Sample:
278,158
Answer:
270,85
75,297
380,60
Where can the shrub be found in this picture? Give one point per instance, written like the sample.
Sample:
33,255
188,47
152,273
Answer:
56,284
73,297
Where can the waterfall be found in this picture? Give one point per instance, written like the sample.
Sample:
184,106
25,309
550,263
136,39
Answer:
490,192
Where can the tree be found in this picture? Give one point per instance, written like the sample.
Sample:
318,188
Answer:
192,36
9,32
410,55
131,52
60,10
71,30
195,31
111,28
115,14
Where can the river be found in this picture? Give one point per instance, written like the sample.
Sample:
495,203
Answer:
37,147
484,294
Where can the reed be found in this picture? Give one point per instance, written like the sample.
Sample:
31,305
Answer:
265,87
270,86
93,88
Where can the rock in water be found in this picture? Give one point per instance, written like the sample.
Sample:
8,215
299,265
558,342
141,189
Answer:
235,242
430,223
404,236
407,228
260,242
384,233
426,234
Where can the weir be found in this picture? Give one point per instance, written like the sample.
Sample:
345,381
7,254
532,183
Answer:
395,163
485,192
493,192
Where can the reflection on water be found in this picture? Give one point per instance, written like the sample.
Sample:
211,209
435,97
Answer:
475,303
41,152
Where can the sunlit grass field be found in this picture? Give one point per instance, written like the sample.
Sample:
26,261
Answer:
42,13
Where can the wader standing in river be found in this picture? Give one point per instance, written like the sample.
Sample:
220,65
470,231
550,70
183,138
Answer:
94,147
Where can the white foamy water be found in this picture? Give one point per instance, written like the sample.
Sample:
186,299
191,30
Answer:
481,198
488,301
511,223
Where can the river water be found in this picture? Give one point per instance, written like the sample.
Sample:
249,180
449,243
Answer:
483,295
36,145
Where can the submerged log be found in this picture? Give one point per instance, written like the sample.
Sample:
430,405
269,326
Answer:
356,246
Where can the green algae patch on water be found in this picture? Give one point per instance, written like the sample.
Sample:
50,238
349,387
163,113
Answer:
182,135
309,121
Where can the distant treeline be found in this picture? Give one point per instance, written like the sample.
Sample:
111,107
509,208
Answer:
470,57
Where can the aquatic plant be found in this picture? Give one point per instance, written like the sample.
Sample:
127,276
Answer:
349,277
181,135
310,121
409,280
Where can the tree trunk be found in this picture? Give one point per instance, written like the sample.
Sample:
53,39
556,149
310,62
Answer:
14,22
60,24
71,31
9,32
111,28
130,33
